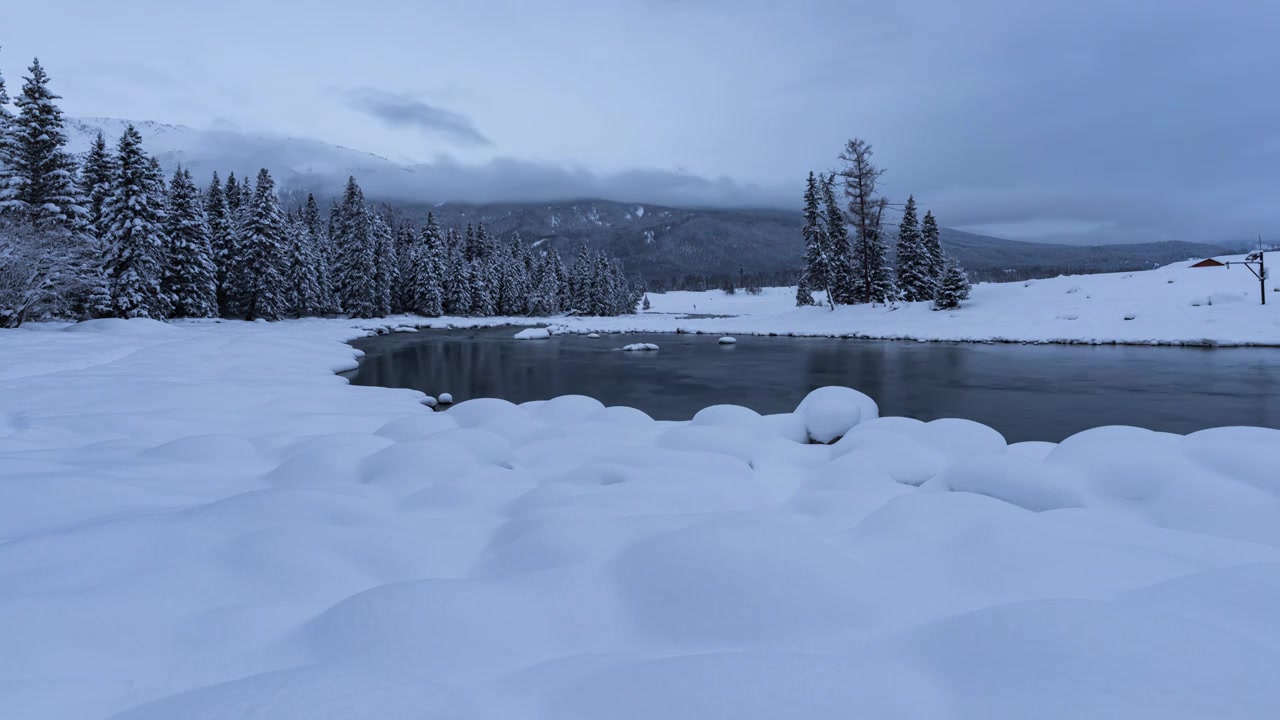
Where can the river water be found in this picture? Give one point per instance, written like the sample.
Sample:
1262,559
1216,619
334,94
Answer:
1027,392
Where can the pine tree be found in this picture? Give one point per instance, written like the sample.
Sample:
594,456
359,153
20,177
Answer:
646,305
354,261
134,235
224,241
873,279
816,273
302,273
427,271
95,180
953,288
458,299
262,291
317,237
386,266
842,285
40,182
6,148
406,254
933,247
189,279
915,275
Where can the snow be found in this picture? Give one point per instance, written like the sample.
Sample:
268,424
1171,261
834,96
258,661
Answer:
1173,305
445,398
533,334
727,340
200,520
639,347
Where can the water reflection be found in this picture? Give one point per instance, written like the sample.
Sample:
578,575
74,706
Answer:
1028,392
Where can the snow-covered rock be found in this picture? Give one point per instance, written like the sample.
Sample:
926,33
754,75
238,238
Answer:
728,340
640,347
445,398
533,334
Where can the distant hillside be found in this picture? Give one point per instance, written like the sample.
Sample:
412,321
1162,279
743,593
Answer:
660,244
663,243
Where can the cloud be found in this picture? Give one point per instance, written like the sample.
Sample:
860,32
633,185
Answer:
403,111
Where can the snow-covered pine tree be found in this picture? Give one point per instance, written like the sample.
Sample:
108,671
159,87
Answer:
317,236
457,275
953,288
406,255
40,181
134,235
386,266
602,288
189,277
95,181
515,285
39,186
915,274
929,236
302,273
264,292
426,270
647,306
354,262
815,272
873,279
839,255
580,290
233,195
556,266
224,234
544,300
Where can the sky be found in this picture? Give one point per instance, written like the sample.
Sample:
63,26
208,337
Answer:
1082,121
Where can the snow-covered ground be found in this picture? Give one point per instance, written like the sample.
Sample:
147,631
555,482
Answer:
1172,305
201,521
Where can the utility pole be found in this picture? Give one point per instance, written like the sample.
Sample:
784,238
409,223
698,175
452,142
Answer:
1259,259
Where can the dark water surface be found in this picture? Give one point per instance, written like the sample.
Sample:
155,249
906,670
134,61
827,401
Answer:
1027,392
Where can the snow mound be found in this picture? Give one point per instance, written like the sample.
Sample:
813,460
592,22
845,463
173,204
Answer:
533,334
830,412
445,398
268,541
639,347
727,340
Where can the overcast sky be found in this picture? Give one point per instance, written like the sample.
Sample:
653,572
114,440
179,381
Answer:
1076,120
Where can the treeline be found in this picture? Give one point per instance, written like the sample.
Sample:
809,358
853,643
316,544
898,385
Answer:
846,253
111,237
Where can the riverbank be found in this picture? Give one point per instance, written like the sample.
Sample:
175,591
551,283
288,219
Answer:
201,520
1175,305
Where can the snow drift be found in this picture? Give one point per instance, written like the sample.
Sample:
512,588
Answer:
200,520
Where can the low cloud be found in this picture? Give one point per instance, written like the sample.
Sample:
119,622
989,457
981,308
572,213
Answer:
404,111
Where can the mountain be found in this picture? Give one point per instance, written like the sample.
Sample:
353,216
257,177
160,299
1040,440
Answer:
659,243
665,243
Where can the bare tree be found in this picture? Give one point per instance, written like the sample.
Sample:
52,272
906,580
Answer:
872,279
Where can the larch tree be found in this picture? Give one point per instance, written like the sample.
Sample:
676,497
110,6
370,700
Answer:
189,277
916,280
262,291
134,235
873,279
